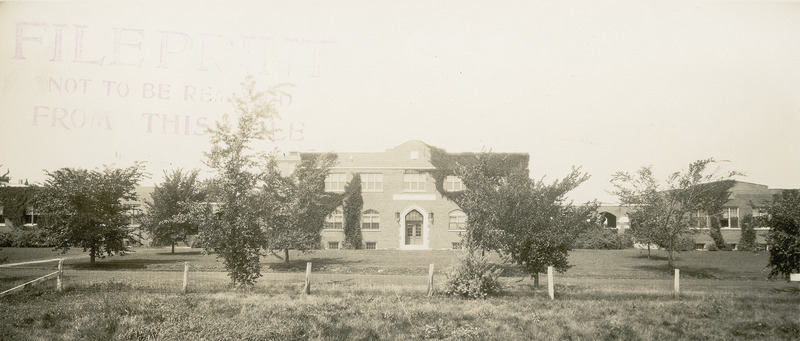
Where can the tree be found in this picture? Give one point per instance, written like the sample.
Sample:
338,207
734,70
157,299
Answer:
784,234
353,203
235,234
529,222
168,218
296,206
89,209
4,179
665,215
747,242
539,225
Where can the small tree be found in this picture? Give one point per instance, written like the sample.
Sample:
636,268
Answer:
295,207
529,222
538,224
168,218
747,242
784,234
664,215
88,209
353,203
236,234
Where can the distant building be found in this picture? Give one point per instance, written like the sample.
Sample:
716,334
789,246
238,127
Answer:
402,207
31,216
744,199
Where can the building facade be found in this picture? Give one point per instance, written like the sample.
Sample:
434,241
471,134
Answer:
744,200
402,207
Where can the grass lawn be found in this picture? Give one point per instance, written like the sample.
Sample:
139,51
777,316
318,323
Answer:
631,263
371,295
117,310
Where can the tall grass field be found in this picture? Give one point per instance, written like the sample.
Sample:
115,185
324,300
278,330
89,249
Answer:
381,295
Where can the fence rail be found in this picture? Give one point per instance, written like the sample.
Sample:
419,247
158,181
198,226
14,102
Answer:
58,275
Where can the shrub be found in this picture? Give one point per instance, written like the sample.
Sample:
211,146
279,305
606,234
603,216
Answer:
685,243
748,240
25,237
471,276
603,239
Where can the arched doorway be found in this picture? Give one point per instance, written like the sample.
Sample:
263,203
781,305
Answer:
610,220
414,221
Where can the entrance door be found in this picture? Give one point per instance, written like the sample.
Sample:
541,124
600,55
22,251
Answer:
414,228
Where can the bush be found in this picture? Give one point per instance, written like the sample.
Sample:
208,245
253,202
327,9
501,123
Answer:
748,240
603,239
685,243
25,237
6,239
472,277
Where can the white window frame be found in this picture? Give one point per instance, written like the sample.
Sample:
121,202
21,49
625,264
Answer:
727,215
333,243
457,218
30,211
371,217
415,182
335,218
335,182
372,182
453,183
700,215
367,245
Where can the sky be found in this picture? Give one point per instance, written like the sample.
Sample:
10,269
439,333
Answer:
603,85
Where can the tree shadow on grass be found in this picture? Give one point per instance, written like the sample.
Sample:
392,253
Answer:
178,253
318,264
121,264
654,257
687,272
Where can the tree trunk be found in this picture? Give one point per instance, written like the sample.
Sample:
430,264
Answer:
536,280
670,258
286,256
173,247
648,250
92,252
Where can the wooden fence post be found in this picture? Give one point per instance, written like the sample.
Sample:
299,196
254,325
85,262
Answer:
308,278
677,282
550,288
185,276
430,280
60,275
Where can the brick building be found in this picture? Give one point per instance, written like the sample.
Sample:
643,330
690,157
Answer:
402,207
744,200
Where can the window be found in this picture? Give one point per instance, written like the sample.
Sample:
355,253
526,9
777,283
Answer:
335,220
371,182
370,220
414,182
30,216
414,155
730,218
458,220
453,184
333,245
134,212
700,219
370,245
335,182
456,246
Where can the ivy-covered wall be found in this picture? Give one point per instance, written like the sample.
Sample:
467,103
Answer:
499,164
14,201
